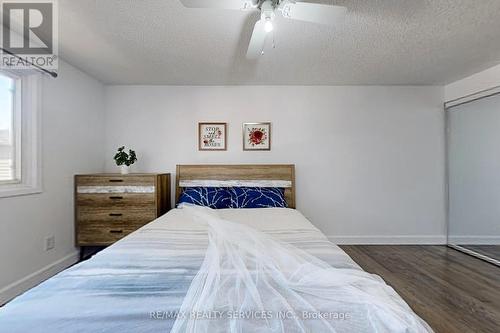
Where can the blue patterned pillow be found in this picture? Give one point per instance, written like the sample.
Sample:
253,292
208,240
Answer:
213,197
257,197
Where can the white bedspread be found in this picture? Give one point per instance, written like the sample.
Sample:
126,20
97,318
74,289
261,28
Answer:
139,283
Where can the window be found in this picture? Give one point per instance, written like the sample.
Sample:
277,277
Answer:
10,130
19,134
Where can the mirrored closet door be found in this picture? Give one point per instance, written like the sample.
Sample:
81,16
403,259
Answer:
474,177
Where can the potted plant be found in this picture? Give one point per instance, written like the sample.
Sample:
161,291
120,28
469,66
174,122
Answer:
124,160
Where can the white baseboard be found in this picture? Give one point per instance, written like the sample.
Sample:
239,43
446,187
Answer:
474,240
389,240
18,287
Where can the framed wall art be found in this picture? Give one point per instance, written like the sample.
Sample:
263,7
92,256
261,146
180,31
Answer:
212,136
256,136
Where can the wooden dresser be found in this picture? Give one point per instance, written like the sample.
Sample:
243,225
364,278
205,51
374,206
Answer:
110,206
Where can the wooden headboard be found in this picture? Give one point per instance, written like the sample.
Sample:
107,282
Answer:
284,173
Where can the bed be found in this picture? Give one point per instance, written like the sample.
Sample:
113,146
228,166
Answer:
139,283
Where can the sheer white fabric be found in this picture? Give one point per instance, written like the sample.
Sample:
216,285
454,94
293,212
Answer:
250,282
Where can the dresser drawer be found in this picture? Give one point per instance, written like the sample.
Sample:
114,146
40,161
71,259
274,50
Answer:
129,180
111,225
98,234
116,200
98,215
97,227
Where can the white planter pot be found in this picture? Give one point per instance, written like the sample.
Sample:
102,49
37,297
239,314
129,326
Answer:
124,169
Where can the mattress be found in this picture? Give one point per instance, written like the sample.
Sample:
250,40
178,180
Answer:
138,284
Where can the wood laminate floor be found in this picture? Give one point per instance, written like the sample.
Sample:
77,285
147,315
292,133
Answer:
452,291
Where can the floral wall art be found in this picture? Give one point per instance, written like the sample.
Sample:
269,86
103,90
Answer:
212,136
257,136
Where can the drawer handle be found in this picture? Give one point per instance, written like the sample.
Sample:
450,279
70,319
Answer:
116,231
115,214
116,198
116,180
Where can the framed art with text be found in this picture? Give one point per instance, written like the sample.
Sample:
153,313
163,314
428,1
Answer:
256,136
212,136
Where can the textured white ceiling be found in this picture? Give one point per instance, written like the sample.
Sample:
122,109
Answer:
382,42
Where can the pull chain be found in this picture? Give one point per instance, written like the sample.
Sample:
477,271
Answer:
273,44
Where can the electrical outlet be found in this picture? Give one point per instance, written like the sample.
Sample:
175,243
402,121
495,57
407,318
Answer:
50,243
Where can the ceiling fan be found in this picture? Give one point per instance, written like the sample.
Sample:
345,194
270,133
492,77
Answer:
290,9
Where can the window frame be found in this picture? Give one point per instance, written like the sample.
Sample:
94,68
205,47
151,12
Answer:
17,129
27,135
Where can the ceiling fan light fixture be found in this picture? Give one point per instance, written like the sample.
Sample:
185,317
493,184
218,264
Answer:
268,26
296,10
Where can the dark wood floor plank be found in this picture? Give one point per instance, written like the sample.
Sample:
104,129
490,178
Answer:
450,290
404,280
482,282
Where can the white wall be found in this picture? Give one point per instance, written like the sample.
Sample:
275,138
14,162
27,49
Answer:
473,84
369,160
72,142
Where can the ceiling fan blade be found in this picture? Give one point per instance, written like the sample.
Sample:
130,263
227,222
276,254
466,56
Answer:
220,4
313,12
257,41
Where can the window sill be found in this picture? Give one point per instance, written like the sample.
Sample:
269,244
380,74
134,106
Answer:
15,190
